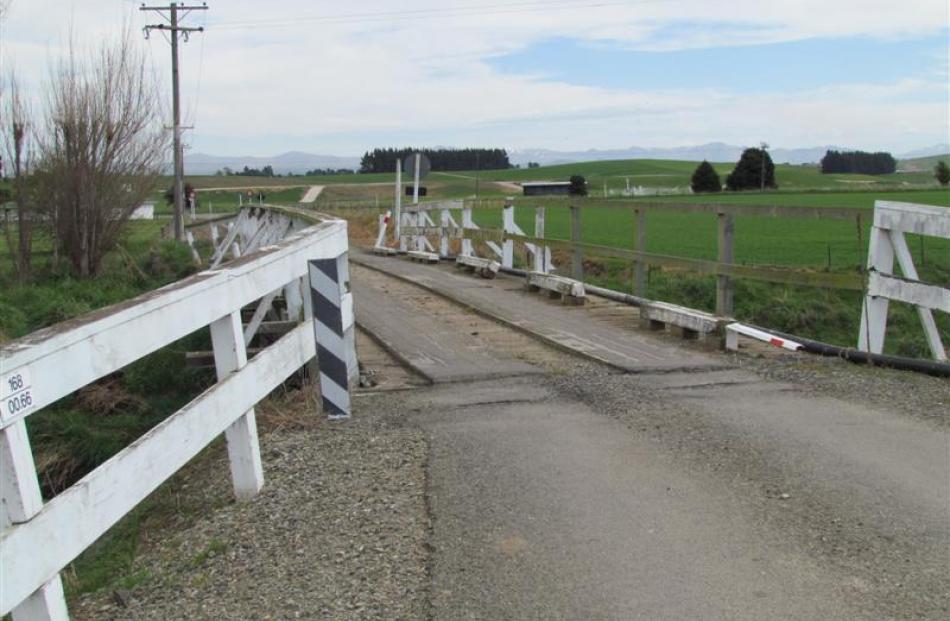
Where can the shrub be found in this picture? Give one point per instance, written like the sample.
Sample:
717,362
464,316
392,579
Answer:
942,173
705,179
578,186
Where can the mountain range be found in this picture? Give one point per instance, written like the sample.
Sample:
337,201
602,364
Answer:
299,162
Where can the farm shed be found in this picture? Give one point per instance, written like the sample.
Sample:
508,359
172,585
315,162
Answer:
539,188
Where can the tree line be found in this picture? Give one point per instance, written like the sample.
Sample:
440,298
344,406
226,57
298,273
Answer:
383,160
861,162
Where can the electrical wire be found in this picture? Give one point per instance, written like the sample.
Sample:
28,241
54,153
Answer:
193,113
430,13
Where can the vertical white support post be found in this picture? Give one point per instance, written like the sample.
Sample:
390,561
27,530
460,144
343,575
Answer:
444,234
333,327
381,236
244,453
189,236
874,309
415,179
214,235
540,252
421,217
508,224
20,500
293,295
398,205
467,223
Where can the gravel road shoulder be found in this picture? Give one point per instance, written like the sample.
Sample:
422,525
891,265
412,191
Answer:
338,532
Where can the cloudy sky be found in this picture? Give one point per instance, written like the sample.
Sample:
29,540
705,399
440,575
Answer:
342,77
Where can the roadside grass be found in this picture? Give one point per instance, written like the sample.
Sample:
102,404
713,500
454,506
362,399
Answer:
79,432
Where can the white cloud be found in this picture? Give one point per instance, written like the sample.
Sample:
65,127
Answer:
291,72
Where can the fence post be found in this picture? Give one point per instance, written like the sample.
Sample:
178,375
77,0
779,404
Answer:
640,245
332,305
397,207
244,452
508,225
20,500
541,261
874,309
724,288
577,256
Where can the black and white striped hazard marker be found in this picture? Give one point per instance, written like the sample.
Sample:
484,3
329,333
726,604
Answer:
332,305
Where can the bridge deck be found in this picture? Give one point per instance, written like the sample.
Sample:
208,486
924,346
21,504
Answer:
570,328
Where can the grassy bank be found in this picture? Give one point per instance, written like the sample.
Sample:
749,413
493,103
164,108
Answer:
81,431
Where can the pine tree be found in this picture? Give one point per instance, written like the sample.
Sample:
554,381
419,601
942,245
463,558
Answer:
750,173
705,179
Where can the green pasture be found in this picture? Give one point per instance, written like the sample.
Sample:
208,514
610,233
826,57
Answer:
819,244
614,176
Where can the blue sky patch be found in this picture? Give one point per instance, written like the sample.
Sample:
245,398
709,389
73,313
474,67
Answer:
797,65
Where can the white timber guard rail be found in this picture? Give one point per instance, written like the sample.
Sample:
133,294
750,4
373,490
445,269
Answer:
38,540
891,221
413,223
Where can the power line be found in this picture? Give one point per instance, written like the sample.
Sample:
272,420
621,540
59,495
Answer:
173,28
434,13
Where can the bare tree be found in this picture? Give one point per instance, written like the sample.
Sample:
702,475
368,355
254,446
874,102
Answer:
16,128
100,149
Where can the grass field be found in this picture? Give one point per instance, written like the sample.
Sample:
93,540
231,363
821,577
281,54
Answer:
821,244
615,176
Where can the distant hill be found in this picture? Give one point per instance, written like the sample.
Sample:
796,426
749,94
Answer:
922,164
290,162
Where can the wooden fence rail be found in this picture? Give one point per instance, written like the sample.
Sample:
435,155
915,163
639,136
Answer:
38,540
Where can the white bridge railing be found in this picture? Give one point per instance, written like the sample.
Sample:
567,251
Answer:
891,221
38,540
413,223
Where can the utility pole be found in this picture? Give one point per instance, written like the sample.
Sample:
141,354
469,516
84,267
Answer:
762,174
173,27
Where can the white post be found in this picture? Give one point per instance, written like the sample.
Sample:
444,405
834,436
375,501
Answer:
467,223
381,236
415,180
20,500
247,473
444,239
541,253
398,205
508,224
874,310
293,296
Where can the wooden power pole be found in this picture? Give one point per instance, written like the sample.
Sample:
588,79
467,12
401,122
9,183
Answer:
171,14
